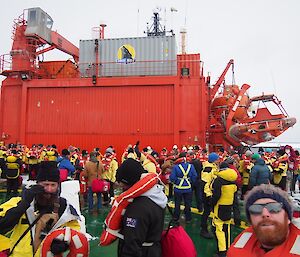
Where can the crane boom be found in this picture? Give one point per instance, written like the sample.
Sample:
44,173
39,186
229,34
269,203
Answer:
220,80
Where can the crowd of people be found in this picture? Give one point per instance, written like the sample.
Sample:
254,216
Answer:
217,181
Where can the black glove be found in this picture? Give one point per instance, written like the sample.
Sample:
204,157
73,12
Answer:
29,194
58,246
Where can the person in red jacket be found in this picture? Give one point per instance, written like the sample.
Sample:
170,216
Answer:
272,233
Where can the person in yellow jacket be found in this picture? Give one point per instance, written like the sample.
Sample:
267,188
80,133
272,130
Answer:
12,173
210,168
110,169
28,219
147,162
224,202
245,166
280,168
32,161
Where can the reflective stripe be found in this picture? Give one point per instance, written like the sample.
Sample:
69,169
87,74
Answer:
296,246
243,240
67,237
184,178
77,242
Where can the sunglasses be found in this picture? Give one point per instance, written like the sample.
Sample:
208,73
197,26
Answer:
257,209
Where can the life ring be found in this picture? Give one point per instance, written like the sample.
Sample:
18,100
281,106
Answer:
78,243
114,217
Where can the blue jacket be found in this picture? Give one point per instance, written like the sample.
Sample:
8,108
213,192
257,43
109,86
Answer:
260,173
183,184
64,163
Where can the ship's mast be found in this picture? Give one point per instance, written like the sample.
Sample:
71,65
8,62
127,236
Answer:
156,29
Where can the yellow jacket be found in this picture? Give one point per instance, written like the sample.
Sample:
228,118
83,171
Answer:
207,176
224,189
24,248
110,174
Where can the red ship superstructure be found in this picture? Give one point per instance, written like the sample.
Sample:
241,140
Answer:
115,91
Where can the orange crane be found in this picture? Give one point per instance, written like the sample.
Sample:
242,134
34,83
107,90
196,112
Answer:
32,37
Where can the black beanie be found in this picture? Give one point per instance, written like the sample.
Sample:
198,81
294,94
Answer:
129,172
48,171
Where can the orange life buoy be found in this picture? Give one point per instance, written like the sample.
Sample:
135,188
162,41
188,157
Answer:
78,242
113,219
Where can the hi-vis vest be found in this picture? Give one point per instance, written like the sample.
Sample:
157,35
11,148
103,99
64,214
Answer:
247,245
184,181
13,168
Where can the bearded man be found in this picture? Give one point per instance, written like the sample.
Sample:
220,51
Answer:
40,210
272,233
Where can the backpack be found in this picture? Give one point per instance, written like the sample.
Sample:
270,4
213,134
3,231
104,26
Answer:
175,242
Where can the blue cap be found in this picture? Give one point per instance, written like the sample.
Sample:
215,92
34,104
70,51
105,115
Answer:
212,157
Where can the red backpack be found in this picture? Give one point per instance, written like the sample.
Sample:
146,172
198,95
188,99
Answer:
175,242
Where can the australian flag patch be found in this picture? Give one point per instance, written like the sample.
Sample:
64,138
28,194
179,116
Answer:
131,222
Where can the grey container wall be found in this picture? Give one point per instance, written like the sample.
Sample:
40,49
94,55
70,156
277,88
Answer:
140,56
87,58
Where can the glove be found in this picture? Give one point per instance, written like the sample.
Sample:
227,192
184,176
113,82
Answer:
58,246
30,193
137,143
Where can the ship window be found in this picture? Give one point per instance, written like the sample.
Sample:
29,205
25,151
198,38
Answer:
32,17
42,18
49,23
185,72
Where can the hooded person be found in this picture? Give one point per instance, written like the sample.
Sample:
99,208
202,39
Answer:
93,169
224,203
40,210
110,165
209,172
260,172
143,220
272,232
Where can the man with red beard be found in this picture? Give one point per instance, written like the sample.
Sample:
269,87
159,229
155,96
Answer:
272,233
28,219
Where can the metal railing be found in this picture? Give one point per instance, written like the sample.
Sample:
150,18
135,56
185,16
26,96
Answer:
137,68
5,62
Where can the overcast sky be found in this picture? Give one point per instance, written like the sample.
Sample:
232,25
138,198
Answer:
262,36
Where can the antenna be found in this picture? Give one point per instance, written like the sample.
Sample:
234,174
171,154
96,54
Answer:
156,28
183,40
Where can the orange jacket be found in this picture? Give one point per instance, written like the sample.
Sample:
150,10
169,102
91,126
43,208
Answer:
247,245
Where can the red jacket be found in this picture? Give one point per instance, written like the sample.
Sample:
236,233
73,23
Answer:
239,180
247,245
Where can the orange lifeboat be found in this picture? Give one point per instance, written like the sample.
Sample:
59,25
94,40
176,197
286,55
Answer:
225,102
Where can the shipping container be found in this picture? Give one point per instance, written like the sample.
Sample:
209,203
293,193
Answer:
140,56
